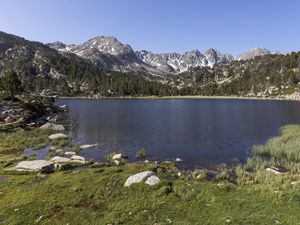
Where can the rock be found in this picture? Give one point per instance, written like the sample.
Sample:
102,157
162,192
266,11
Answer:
57,136
83,147
70,153
63,107
78,158
118,156
146,161
59,151
152,180
52,149
137,178
36,165
295,182
39,219
59,160
178,160
276,170
117,162
52,126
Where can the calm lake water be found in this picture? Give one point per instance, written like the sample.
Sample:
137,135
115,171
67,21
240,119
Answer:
202,132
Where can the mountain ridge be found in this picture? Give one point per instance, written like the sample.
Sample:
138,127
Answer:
108,52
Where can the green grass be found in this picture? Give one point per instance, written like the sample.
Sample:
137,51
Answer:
97,196
20,139
283,150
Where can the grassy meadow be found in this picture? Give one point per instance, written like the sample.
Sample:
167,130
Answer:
246,194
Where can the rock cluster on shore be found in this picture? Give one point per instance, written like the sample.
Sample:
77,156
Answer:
31,112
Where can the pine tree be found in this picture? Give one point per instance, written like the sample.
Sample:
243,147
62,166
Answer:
11,84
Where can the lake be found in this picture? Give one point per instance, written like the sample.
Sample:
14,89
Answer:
202,132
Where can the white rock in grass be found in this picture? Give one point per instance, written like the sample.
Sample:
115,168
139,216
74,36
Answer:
152,180
273,171
52,126
78,158
137,178
57,136
70,153
36,165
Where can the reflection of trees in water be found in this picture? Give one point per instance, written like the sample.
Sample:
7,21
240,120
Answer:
71,124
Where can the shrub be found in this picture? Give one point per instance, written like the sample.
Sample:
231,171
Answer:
223,174
199,174
141,154
76,148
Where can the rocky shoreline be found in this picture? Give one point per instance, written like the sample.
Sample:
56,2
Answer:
29,112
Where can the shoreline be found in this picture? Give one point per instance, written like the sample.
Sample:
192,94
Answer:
181,97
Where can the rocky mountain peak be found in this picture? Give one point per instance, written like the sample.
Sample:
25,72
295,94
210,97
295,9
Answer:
252,53
57,45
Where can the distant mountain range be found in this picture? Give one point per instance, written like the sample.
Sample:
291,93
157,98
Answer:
103,66
109,53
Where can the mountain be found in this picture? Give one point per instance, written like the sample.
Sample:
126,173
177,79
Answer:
252,53
270,75
45,70
81,70
109,53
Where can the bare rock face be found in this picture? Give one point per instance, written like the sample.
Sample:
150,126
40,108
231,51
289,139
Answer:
36,165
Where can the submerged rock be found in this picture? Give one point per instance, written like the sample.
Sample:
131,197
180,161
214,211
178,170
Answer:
36,165
58,136
83,147
137,178
52,126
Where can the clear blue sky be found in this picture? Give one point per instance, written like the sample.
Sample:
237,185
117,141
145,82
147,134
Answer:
159,25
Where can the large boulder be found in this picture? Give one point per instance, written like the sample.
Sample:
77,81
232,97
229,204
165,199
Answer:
58,136
52,126
36,165
137,178
152,180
